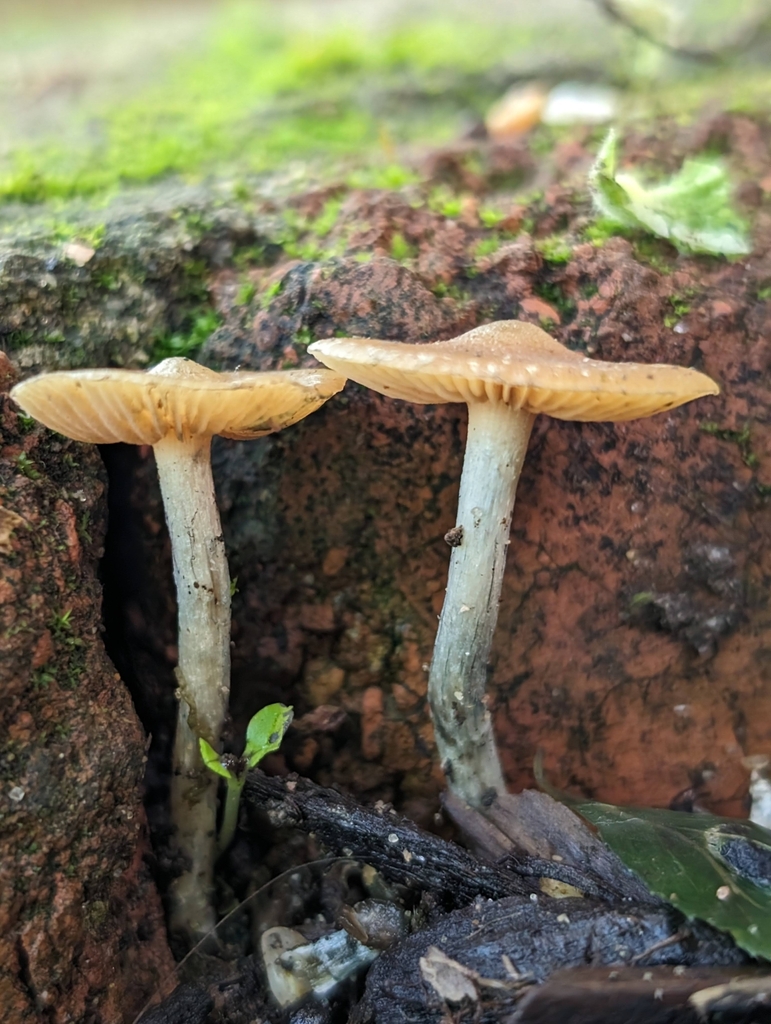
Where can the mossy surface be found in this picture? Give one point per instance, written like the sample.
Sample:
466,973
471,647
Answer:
261,93
265,88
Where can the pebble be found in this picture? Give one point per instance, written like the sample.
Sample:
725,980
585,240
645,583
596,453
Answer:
516,111
580,103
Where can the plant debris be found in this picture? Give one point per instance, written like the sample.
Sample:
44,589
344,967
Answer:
692,209
712,868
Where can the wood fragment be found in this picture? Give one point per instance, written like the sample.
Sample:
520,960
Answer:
186,1005
657,995
381,838
486,939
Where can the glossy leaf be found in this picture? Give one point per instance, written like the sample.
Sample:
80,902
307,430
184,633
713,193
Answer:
716,869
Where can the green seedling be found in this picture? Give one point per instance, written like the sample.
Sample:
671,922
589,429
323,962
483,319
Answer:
263,735
692,209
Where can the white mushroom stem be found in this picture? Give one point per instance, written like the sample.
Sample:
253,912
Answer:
497,442
203,599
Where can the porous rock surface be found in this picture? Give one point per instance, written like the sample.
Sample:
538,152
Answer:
81,929
632,645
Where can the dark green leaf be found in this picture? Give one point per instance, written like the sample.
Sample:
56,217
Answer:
717,869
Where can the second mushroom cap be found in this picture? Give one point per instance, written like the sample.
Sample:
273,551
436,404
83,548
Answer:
516,363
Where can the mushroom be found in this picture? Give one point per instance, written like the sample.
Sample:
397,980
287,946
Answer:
506,373
177,407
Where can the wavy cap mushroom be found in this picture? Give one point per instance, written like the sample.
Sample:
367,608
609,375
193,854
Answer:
177,407
506,372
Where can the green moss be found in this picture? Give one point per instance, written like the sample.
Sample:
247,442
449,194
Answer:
327,219
451,291
26,466
600,230
741,438
84,527
680,306
388,176
245,293
71,655
487,246
259,94
107,280
305,239
68,231
270,293
186,343
554,249
41,679
655,252
491,217
444,201
249,256
401,249
551,292
304,337
61,623
26,423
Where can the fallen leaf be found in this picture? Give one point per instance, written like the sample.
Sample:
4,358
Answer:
692,209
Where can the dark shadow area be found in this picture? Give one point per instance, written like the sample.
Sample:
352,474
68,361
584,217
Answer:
137,636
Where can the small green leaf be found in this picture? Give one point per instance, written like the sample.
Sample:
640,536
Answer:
266,731
212,759
717,869
692,209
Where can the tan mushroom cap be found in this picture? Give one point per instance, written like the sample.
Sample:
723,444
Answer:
518,364
177,396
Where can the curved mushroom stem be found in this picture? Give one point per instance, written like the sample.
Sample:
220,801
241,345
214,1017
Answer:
495,450
203,674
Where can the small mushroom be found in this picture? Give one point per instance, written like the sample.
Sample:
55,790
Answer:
177,407
506,373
